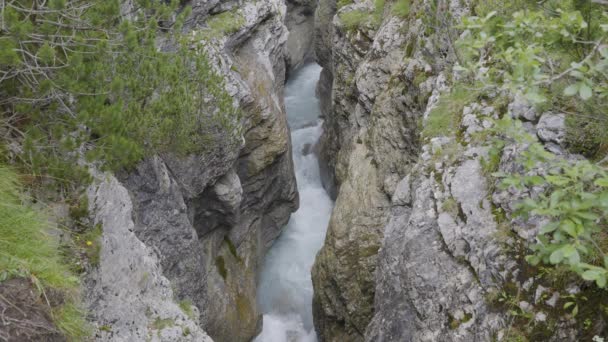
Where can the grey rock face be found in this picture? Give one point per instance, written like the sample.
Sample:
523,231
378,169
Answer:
300,22
207,220
128,293
552,128
370,142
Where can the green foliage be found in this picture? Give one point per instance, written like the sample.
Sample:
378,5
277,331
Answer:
574,200
481,8
446,116
401,8
538,51
28,250
555,57
89,79
352,20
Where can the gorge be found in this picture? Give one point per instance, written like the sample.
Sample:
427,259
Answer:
285,290
364,170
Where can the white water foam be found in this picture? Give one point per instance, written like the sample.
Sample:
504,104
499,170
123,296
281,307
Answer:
285,289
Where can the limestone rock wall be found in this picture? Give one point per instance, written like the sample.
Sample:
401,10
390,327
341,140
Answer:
419,245
370,142
206,221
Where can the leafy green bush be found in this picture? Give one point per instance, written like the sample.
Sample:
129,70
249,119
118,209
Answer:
574,200
556,57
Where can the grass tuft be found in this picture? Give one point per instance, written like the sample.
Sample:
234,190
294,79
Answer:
28,250
26,247
224,23
401,8
70,319
445,118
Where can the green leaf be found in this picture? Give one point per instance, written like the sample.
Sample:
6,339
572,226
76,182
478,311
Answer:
549,227
533,259
601,280
587,215
590,275
585,91
569,227
556,257
571,90
603,182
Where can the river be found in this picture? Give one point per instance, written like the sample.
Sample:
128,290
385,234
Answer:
285,289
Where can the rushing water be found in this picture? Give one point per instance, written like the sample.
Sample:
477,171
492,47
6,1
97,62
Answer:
285,289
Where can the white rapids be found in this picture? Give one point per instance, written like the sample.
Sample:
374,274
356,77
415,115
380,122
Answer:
285,289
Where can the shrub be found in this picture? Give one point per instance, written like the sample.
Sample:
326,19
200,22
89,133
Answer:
95,81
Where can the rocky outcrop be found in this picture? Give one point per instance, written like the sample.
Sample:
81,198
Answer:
129,296
205,221
370,142
420,246
451,264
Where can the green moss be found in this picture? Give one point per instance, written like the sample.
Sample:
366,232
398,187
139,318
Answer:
186,306
450,206
160,324
220,265
105,328
587,135
455,323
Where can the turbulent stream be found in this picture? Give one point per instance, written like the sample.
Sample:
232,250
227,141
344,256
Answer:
285,289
